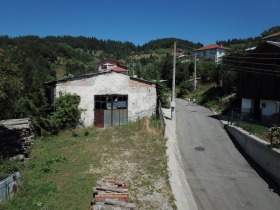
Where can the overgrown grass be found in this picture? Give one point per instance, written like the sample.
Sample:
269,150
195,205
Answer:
63,169
258,130
261,131
210,96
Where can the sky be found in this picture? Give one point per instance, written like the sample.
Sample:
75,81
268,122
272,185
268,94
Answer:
140,21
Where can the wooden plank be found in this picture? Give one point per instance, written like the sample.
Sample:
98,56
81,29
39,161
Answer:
119,203
112,189
114,181
110,195
107,207
102,200
108,184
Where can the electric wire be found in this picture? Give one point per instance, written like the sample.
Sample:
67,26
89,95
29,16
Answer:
268,64
252,70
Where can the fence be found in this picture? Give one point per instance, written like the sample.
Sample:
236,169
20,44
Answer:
9,185
161,116
244,114
253,123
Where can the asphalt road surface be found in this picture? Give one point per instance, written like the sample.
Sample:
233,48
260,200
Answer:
220,175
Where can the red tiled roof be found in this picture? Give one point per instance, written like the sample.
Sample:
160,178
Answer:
108,61
118,69
212,46
112,62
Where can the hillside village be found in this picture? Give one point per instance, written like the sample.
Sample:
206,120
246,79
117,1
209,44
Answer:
67,89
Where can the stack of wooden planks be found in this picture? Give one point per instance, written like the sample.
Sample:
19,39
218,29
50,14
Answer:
16,137
111,194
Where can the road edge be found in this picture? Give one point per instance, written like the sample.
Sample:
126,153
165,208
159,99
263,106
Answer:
184,199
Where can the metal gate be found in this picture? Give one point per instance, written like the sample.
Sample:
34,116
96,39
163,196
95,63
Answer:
110,110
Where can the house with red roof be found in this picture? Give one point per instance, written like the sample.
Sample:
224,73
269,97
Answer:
183,57
213,51
112,65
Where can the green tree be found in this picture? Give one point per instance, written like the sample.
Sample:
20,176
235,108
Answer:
185,87
11,84
166,70
75,68
270,31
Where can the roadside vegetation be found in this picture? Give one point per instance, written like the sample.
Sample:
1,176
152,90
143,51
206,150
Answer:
63,169
266,132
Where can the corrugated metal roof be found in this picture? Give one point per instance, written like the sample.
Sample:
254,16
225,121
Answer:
272,35
274,43
96,74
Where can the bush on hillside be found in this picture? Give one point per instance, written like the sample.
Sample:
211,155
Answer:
66,114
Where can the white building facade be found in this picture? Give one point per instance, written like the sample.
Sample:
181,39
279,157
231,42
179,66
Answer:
110,98
212,51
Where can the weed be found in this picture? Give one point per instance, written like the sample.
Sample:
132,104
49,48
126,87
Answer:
61,172
86,133
74,133
8,166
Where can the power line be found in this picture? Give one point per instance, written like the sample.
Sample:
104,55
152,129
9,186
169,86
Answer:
240,57
237,68
268,64
257,69
245,53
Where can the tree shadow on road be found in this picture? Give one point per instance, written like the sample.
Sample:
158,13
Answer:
219,117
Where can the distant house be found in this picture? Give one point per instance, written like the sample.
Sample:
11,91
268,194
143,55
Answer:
112,65
259,80
108,98
273,37
212,51
181,57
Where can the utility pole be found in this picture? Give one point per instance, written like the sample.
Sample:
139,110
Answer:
195,71
173,83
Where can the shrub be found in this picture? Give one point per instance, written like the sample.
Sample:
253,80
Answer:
66,114
185,87
9,166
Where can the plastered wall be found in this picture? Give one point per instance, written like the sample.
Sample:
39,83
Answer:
141,95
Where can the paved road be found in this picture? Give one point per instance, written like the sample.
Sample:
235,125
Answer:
220,177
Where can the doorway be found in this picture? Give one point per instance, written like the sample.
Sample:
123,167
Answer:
110,110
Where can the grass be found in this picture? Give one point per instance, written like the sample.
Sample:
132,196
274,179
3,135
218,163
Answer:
258,130
261,131
63,169
209,95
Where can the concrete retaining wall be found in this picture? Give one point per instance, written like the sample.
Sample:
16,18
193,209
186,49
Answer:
259,150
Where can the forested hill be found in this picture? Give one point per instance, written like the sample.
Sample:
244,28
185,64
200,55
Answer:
183,45
241,44
117,49
27,62
60,56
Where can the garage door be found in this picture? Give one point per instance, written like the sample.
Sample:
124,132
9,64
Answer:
110,110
